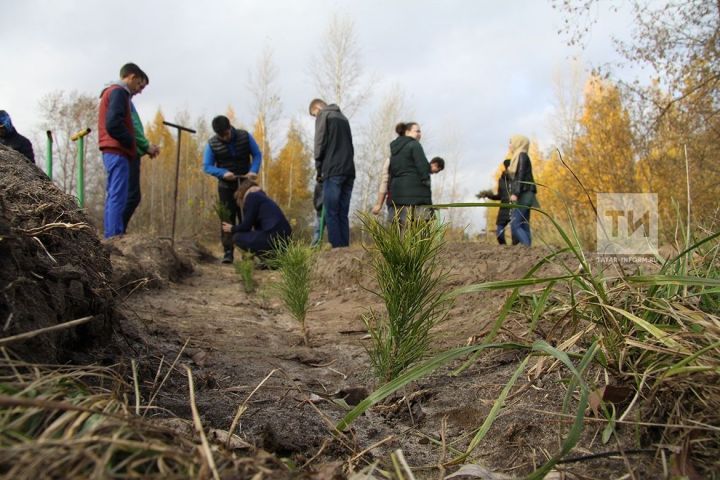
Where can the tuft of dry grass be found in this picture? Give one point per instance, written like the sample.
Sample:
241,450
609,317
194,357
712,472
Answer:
76,422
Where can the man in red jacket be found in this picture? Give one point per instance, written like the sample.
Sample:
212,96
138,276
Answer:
117,142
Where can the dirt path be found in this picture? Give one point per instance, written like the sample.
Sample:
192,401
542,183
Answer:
237,339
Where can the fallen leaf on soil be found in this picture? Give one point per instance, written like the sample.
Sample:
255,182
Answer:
681,464
328,471
353,395
608,393
200,358
478,471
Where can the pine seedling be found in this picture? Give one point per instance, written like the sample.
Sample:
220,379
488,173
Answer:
409,276
245,269
222,212
294,261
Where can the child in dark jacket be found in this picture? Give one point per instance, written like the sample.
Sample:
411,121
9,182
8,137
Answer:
263,222
503,195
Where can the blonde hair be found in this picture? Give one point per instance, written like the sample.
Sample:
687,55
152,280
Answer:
518,144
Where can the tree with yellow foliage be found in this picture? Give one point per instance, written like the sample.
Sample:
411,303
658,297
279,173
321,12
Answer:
289,177
600,160
259,133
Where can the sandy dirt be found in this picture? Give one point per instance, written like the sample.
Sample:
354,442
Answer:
234,340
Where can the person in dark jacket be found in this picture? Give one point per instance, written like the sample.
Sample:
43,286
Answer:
522,189
231,155
116,138
263,222
409,182
437,165
12,139
503,195
334,161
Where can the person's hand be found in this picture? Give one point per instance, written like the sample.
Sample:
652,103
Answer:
229,176
251,176
153,151
226,227
513,198
376,209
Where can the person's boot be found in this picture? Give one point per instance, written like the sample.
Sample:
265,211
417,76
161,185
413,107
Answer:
228,258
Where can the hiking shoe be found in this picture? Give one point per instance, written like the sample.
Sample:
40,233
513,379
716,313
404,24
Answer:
228,258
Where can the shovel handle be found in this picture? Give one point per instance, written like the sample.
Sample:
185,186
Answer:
80,134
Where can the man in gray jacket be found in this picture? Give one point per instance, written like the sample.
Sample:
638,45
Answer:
334,162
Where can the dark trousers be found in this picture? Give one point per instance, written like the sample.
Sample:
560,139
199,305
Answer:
226,192
405,213
256,241
134,196
337,192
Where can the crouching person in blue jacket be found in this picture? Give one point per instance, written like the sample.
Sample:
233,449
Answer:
263,222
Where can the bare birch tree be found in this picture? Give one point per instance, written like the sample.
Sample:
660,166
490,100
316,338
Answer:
446,186
65,113
374,148
266,101
337,71
568,85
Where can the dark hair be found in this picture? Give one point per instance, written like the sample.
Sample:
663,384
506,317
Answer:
132,69
220,124
439,162
401,127
316,102
242,189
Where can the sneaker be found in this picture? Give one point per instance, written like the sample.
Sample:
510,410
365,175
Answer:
228,258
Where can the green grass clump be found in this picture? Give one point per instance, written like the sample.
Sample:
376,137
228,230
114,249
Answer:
409,276
656,333
294,260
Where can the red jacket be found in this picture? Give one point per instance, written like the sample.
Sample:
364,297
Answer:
115,128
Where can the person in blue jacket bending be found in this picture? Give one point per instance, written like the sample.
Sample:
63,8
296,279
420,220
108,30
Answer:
230,156
263,222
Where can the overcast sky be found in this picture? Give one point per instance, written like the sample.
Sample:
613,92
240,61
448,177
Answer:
473,70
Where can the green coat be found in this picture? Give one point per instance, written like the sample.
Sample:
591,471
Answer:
142,143
409,173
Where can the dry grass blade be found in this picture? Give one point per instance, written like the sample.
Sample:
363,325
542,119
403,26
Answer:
172,367
198,426
243,407
28,335
52,226
75,422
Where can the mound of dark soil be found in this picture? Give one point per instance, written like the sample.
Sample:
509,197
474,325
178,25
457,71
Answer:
53,268
148,262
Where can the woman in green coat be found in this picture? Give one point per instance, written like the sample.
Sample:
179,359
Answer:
409,174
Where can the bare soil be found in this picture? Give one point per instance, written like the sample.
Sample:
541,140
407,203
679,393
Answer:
157,303
234,340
